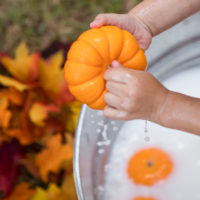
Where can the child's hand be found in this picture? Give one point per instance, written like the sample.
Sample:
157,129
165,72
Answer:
133,94
128,22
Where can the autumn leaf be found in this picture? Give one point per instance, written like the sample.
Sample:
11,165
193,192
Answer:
22,128
72,111
4,138
13,95
52,193
52,80
66,192
21,191
5,114
6,81
38,112
51,158
9,168
68,188
23,67
40,194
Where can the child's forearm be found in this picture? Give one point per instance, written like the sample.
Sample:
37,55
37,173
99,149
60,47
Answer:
180,112
160,15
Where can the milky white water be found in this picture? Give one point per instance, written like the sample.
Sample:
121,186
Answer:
184,149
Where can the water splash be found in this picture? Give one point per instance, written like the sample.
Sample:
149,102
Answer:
146,137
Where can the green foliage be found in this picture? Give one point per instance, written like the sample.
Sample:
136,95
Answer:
40,22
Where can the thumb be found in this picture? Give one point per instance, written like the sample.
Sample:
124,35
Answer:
116,64
104,19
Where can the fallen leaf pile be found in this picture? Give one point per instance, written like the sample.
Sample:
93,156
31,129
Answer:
38,117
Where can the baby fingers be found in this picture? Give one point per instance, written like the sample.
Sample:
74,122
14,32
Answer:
114,113
116,88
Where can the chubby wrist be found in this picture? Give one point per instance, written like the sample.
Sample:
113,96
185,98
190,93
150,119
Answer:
142,15
162,106
141,22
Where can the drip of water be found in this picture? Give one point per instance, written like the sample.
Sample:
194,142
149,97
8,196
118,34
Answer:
98,130
115,128
146,137
101,151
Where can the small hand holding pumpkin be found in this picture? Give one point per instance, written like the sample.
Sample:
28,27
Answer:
132,94
129,22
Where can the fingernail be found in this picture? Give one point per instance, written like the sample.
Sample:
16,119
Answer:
95,23
115,64
92,24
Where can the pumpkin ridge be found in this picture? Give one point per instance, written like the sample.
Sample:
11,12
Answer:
92,48
128,59
108,44
95,99
86,80
142,66
122,42
98,96
131,57
76,61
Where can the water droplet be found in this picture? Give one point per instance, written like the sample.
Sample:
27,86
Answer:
112,122
106,167
98,130
92,116
145,127
104,143
101,151
92,121
100,188
115,128
100,123
146,138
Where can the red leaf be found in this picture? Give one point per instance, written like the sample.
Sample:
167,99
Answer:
9,165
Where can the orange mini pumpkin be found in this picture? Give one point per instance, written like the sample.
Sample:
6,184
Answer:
90,56
148,166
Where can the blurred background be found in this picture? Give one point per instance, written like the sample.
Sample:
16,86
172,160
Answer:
40,23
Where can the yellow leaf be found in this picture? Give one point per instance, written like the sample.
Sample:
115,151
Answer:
6,81
23,67
73,111
50,73
52,193
40,194
22,192
39,112
68,188
52,157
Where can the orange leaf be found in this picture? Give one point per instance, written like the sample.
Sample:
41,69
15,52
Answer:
23,67
4,138
52,157
68,188
22,192
39,112
5,114
22,128
13,95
